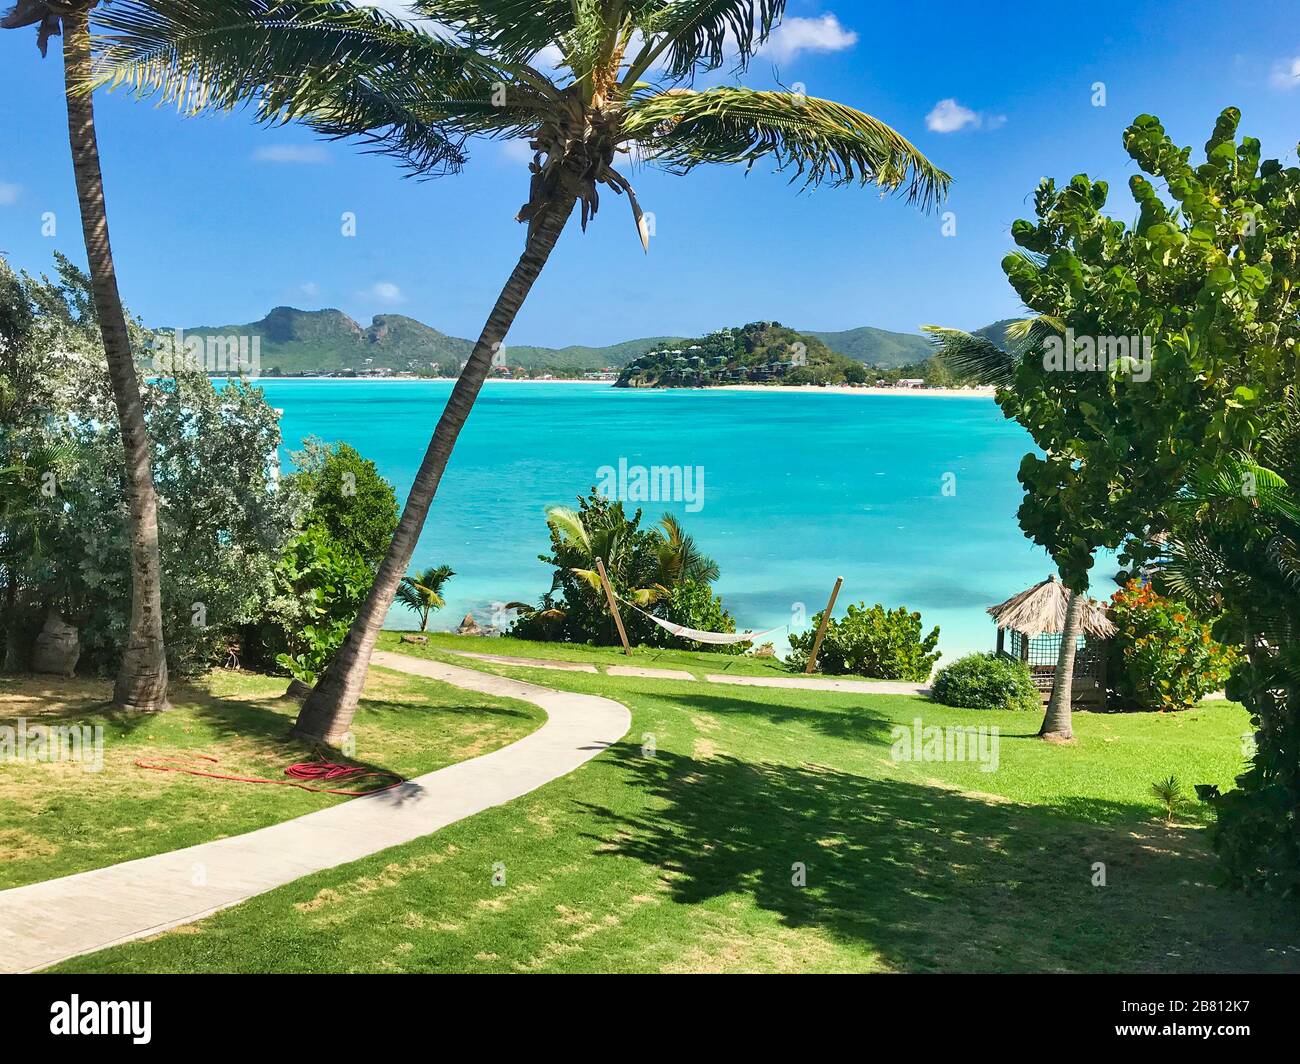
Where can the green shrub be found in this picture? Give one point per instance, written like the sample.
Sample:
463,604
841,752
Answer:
1162,657
986,681
346,515
883,644
319,587
346,496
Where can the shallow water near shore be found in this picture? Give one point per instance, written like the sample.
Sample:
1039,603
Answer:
912,499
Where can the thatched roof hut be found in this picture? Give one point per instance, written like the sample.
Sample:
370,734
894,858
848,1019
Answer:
1040,610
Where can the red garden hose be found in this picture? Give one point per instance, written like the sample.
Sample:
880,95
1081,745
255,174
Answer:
319,770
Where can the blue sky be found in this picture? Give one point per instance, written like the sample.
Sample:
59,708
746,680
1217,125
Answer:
215,220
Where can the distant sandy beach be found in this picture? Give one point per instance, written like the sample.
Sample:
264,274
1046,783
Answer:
810,389
844,389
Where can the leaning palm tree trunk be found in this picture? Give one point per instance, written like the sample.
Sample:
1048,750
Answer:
1056,722
142,680
327,713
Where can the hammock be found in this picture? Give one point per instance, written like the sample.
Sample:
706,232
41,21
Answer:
702,637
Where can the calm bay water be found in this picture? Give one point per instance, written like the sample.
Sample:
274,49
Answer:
798,489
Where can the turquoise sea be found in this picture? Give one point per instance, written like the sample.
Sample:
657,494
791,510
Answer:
797,489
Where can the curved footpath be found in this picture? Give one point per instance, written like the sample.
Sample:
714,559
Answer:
44,923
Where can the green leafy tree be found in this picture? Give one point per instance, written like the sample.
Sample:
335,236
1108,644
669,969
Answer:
344,515
575,608
422,593
223,523
623,85
1206,283
346,496
1234,553
320,585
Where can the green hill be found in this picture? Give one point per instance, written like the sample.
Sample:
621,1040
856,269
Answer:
763,352
877,347
328,341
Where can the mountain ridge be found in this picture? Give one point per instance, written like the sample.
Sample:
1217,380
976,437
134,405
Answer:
328,340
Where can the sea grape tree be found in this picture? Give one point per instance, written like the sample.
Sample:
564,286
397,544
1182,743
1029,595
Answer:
1205,283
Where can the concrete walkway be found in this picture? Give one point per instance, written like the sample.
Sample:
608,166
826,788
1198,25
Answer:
45,923
797,683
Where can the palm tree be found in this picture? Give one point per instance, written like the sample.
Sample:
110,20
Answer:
142,679
608,537
422,593
621,86
978,356
680,559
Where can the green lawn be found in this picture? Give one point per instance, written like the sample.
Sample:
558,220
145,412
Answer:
57,818
697,663
681,858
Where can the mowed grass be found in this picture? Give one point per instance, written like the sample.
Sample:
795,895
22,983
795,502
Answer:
698,663
737,829
57,818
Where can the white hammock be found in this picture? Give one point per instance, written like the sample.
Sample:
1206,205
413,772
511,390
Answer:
698,636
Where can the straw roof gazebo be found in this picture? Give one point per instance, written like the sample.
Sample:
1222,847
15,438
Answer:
1029,628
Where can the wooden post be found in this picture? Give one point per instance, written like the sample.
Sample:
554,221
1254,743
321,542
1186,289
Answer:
613,606
821,628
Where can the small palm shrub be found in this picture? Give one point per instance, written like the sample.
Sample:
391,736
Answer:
1169,792
1163,657
986,681
883,644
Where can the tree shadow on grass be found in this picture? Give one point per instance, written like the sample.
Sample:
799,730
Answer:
937,880
855,722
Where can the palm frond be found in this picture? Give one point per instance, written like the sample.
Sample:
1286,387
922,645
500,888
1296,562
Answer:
588,576
409,596
516,30
977,356
568,523
346,71
435,577
680,559
825,142
691,35
972,355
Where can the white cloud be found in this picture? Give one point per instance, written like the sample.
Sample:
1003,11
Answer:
291,153
948,116
9,193
384,292
1286,74
796,35
311,289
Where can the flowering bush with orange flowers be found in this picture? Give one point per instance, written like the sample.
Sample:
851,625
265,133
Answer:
1162,657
